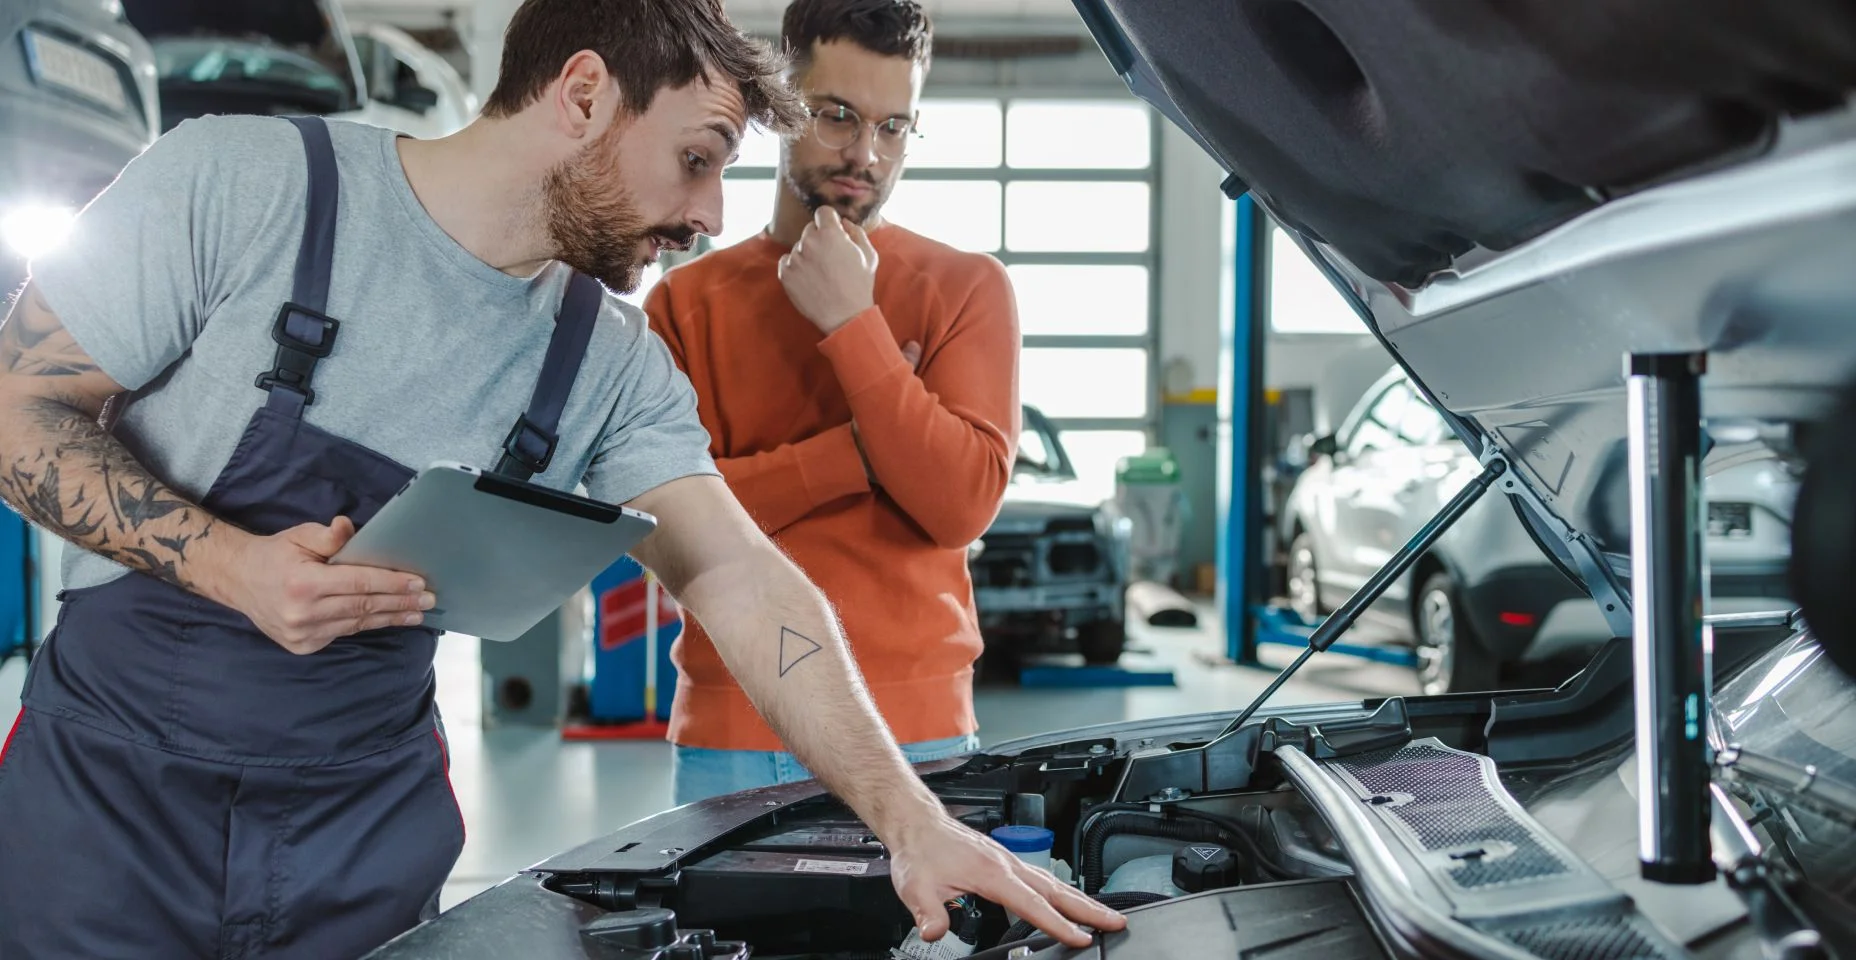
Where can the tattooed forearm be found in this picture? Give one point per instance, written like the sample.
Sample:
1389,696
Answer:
70,477
61,468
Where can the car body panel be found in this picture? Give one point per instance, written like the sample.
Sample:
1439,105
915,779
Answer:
60,147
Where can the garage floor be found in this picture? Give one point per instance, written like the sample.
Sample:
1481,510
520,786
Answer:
526,795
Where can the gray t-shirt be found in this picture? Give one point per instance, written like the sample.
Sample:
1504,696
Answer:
173,277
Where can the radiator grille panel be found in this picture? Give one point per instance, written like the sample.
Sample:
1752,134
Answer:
1593,938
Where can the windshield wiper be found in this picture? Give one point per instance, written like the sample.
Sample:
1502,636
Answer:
1803,784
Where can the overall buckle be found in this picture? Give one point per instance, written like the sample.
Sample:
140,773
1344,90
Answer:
303,337
529,445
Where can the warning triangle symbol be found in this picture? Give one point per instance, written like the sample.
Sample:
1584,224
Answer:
1206,853
795,647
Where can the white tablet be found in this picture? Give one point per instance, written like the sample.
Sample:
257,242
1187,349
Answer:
499,554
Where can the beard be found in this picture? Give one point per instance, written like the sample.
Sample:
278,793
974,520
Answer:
808,185
594,222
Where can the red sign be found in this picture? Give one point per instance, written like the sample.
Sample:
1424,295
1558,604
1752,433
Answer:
622,614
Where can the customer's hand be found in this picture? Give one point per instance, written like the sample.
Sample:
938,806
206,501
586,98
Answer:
830,274
940,858
286,585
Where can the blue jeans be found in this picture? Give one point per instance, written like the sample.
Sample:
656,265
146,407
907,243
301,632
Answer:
698,773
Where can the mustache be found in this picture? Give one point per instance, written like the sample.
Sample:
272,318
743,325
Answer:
676,238
851,173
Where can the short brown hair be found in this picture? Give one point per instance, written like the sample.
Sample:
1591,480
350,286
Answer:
648,45
893,28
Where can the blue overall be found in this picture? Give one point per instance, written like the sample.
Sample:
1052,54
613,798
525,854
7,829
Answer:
179,785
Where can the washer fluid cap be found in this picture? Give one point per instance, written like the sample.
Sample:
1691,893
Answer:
1024,839
1199,867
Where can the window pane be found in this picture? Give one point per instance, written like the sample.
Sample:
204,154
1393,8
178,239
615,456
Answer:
758,149
1091,135
1081,217
1301,298
1084,381
1095,454
958,213
1071,300
957,133
747,208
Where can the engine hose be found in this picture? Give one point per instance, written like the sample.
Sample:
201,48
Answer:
1122,900
1142,824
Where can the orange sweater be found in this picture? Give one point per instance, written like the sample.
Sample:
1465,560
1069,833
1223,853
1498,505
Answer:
778,400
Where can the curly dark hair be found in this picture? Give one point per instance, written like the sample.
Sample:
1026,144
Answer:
648,45
895,28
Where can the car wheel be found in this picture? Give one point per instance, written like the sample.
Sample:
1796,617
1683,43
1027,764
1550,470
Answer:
1304,587
1451,658
1100,642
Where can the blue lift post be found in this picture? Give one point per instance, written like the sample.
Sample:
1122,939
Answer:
1249,621
1240,433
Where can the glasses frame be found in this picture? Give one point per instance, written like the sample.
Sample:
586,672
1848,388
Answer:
876,141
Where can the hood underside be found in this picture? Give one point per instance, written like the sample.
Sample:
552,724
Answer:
1516,194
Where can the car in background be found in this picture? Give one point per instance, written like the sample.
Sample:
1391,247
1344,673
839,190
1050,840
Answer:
404,74
1051,573
1487,595
77,103
292,57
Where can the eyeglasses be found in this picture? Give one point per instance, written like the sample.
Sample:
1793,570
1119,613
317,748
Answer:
838,126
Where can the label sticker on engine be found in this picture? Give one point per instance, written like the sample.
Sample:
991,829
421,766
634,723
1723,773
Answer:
852,867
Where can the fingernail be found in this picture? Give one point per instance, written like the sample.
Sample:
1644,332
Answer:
427,602
412,619
415,586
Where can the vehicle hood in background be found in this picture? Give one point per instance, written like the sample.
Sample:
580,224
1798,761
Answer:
1514,194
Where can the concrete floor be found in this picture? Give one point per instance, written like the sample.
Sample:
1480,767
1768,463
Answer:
527,795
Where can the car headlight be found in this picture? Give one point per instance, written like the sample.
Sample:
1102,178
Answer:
32,229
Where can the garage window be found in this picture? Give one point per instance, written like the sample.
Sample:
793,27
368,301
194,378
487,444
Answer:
1061,191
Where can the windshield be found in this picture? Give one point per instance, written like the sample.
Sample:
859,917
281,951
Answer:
1791,712
225,56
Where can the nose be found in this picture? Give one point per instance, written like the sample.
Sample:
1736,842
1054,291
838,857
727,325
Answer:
861,151
705,210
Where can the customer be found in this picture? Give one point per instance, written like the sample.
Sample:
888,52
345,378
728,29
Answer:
859,383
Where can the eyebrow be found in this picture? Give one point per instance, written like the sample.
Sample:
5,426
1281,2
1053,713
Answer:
846,104
730,138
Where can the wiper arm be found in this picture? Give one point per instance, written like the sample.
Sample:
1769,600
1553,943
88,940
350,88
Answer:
1800,783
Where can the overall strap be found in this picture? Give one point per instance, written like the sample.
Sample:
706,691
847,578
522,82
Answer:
530,445
303,331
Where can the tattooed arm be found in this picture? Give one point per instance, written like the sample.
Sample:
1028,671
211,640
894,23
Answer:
64,472
779,637
60,469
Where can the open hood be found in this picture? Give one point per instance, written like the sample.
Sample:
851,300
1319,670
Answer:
1516,194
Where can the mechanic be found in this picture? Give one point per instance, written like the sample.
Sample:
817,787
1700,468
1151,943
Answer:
229,747
867,417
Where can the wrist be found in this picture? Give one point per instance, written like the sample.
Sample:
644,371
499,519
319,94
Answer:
834,320
908,815
214,570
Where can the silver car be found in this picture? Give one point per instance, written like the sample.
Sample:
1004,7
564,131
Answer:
77,103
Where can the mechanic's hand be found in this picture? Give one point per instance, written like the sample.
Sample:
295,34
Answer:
942,859
286,585
830,274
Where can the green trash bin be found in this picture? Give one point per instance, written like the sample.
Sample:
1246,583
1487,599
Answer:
1149,491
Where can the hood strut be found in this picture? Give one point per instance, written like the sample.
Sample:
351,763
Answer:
1338,622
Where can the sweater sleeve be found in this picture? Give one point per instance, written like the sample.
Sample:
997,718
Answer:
777,487
940,439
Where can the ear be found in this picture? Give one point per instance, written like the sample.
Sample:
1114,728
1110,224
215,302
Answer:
583,96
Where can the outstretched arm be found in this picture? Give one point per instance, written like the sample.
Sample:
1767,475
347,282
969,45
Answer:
781,640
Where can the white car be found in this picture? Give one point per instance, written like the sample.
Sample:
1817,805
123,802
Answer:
297,57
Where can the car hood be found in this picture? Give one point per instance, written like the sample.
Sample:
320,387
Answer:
1031,503
1513,198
